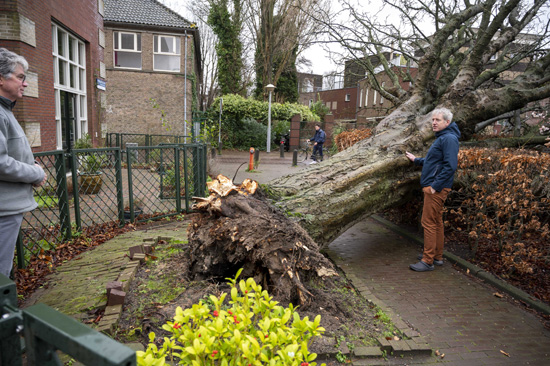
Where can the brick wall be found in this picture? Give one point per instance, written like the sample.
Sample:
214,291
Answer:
129,105
79,17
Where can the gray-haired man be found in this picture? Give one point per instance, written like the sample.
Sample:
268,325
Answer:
18,171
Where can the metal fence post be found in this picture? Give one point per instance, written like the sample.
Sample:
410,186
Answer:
10,324
73,157
119,185
295,157
62,194
186,178
177,175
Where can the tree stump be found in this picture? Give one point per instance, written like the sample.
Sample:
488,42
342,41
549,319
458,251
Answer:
237,227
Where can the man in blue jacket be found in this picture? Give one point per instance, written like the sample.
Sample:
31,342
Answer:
438,169
319,140
18,171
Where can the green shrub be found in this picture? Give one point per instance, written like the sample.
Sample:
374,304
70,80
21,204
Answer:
252,134
251,330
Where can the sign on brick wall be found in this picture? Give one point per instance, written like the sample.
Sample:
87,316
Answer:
32,130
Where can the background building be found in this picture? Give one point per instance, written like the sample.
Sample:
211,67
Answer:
153,63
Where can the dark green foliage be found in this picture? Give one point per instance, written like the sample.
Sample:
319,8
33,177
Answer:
227,27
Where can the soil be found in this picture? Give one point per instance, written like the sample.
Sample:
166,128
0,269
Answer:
162,285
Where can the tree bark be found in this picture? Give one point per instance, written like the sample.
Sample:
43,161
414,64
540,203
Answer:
366,178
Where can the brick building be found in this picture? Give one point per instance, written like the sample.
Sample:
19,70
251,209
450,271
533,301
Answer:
63,42
153,65
342,103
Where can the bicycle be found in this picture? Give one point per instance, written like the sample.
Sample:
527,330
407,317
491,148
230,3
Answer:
307,151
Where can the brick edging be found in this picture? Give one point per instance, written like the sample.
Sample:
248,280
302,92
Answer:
113,312
487,277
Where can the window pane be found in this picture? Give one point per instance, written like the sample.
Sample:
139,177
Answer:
72,76
127,41
82,106
61,42
177,39
81,55
128,59
72,49
62,72
115,38
54,45
167,63
138,42
82,80
156,44
166,45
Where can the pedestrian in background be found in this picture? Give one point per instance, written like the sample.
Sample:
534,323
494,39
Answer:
319,140
438,169
18,170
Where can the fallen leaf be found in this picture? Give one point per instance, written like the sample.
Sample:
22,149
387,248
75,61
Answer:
442,355
437,352
498,295
505,353
468,271
395,338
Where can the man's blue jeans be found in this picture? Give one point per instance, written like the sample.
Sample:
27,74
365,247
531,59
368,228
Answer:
317,151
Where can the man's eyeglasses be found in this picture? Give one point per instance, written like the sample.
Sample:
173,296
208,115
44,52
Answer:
21,77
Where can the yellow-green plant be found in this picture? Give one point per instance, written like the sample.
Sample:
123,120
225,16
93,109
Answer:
251,330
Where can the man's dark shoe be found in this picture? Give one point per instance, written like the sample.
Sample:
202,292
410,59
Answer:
422,267
436,262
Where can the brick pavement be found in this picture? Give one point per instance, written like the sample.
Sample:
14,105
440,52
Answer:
457,315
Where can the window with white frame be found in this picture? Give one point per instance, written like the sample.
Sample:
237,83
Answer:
381,96
167,53
127,50
69,63
348,97
361,98
374,98
366,97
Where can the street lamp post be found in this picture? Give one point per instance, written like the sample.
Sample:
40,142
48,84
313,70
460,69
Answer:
269,88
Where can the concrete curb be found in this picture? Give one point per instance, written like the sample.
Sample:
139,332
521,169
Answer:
513,291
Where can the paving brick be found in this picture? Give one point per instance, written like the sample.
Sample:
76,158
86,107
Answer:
113,310
367,352
116,297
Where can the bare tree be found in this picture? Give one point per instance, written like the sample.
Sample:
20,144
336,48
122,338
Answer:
482,59
280,31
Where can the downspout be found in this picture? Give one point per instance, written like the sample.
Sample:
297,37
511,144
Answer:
185,91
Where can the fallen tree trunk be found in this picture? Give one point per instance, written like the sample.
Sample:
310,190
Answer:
236,228
373,174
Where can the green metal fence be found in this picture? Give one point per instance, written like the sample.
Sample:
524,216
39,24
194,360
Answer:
47,331
91,187
121,140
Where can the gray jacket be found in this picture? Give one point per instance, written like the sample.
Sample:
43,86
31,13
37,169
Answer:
17,169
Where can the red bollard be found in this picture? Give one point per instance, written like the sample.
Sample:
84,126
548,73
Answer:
251,162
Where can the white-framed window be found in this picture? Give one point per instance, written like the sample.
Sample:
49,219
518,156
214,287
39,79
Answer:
381,96
335,105
127,50
366,97
361,98
167,53
348,97
69,63
374,98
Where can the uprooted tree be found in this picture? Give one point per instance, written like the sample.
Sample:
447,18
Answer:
467,65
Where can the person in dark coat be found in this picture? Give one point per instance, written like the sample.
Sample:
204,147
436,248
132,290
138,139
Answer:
319,140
